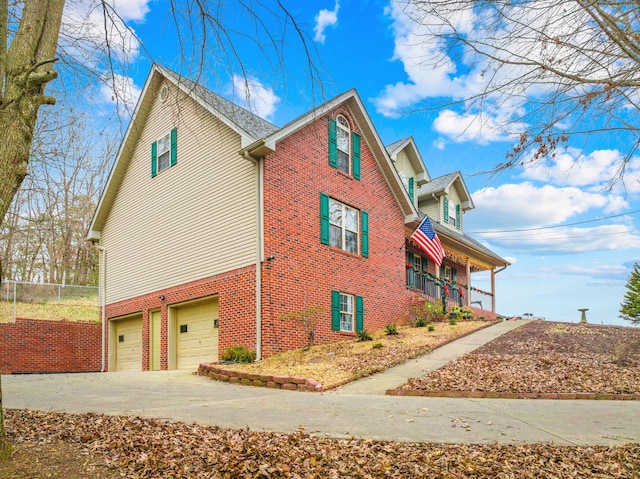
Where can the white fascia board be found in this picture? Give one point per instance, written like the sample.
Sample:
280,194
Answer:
120,156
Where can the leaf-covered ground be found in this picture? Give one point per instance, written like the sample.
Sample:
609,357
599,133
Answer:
546,357
107,447
336,363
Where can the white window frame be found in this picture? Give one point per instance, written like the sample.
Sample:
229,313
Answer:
447,273
343,227
342,125
417,263
161,153
347,317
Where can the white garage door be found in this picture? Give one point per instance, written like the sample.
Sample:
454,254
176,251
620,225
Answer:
129,344
197,331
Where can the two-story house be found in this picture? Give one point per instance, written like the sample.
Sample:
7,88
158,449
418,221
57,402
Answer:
214,224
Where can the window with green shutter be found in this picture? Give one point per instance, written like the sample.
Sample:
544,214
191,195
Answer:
364,221
164,152
458,217
344,147
411,188
343,227
347,312
445,215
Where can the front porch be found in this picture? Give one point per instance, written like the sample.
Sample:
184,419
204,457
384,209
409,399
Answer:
449,293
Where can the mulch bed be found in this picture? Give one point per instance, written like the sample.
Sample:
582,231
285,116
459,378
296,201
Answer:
543,360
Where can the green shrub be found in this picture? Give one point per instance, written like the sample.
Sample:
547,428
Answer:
377,345
431,327
391,329
420,322
453,321
364,335
238,354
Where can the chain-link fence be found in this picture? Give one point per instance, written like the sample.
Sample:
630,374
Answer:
48,301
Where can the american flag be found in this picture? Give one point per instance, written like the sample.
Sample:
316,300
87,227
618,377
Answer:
427,239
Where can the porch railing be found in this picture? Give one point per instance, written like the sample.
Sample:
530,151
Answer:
446,292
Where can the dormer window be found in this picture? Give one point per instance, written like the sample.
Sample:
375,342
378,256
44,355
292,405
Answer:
344,147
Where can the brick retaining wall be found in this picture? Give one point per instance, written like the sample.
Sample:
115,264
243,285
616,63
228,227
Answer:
37,346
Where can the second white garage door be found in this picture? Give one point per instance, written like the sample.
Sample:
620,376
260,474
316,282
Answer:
128,341
197,334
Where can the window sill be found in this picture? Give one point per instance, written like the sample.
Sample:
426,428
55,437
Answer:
344,252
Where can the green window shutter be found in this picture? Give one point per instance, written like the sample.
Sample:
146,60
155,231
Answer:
333,143
174,147
324,219
454,274
411,276
446,210
411,189
458,216
154,159
364,223
335,310
355,146
441,271
359,313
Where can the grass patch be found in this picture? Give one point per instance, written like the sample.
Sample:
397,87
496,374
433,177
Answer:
84,310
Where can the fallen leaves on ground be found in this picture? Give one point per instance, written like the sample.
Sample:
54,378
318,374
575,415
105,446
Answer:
544,357
153,448
334,364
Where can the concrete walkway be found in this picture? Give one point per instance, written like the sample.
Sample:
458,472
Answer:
394,377
344,413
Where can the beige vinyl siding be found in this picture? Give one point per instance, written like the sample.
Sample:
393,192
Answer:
404,165
432,210
193,220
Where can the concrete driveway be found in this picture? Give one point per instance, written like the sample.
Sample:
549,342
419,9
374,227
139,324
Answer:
182,396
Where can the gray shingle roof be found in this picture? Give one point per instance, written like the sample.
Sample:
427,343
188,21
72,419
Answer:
249,122
439,184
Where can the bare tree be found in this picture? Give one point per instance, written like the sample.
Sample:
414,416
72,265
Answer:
554,68
34,39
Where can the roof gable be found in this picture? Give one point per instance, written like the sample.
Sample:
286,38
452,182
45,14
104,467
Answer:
442,185
408,145
352,101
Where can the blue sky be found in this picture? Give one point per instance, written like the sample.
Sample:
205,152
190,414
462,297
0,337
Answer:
571,239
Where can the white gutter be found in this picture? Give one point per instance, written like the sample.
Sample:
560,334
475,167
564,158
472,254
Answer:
102,281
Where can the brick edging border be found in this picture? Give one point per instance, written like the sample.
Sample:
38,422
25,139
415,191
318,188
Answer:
289,383
292,383
510,395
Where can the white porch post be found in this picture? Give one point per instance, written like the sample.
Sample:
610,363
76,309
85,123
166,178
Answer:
493,290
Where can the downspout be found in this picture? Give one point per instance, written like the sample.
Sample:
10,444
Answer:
102,288
259,249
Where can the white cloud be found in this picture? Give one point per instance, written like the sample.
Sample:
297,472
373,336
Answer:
254,96
481,127
573,167
523,205
121,91
85,36
568,240
324,19
521,215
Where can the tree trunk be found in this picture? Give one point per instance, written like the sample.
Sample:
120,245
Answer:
25,69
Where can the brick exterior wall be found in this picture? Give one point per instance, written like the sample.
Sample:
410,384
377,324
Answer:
37,346
236,310
304,271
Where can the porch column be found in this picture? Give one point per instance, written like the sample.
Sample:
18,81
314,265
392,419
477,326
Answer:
467,294
493,290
